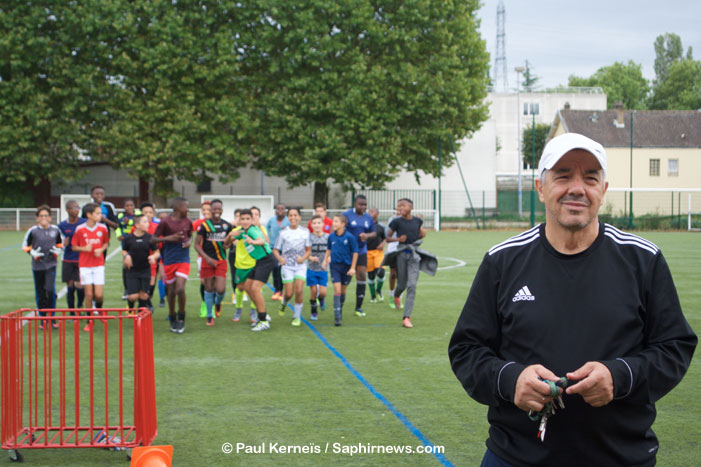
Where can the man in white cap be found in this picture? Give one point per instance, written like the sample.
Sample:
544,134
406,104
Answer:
576,316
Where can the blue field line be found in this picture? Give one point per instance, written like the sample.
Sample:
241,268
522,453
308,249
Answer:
11,247
407,423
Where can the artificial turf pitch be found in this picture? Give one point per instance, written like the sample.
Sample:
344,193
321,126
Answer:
368,383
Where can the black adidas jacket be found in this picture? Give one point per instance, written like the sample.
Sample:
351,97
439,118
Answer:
614,302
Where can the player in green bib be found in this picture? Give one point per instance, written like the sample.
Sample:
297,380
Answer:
255,245
243,265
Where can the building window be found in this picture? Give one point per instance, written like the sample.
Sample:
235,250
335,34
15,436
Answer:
531,108
673,168
205,186
654,167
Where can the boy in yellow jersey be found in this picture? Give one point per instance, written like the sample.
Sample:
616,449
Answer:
243,265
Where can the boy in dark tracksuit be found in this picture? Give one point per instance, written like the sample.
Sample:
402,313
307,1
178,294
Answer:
408,229
44,242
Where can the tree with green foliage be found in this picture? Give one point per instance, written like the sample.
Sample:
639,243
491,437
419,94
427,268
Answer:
681,88
354,91
621,82
677,84
176,104
347,91
542,130
668,50
47,92
530,80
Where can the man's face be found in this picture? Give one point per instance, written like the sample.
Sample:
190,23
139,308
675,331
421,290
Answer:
129,208
280,210
400,208
207,211
216,211
98,195
573,191
361,205
245,221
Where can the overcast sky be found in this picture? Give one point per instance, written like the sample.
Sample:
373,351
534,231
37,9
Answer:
564,37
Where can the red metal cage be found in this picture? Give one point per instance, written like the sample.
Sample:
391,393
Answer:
67,376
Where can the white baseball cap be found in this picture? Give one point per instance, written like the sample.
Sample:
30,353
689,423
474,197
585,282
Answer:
561,145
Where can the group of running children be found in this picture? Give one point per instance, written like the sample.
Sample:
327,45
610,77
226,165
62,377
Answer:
350,244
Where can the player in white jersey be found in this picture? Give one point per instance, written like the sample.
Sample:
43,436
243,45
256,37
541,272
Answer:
292,248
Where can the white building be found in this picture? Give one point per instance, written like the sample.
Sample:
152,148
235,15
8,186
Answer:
506,108
491,154
477,159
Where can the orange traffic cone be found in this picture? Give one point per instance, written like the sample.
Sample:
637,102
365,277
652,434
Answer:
152,456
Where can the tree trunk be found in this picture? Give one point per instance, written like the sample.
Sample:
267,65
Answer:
321,193
42,192
144,194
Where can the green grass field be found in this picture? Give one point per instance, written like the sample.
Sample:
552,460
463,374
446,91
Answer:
229,385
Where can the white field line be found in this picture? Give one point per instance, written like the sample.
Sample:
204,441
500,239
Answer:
460,263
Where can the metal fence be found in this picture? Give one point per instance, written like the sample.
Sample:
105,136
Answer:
425,203
652,208
637,208
387,199
21,218
428,215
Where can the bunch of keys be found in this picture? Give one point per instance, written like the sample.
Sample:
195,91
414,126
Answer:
549,408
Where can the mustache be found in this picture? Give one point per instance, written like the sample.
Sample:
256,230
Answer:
576,199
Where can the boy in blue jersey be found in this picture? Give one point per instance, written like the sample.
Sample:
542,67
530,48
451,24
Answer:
70,272
362,227
342,252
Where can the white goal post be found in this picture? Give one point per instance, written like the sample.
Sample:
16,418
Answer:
232,202
82,199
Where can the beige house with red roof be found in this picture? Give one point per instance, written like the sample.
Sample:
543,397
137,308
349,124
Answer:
666,155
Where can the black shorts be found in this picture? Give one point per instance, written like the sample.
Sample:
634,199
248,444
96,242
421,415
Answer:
70,272
362,260
232,261
138,281
264,266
